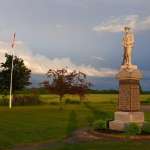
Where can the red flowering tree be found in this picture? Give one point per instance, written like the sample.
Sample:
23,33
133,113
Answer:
80,85
61,82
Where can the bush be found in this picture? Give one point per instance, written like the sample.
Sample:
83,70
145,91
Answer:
146,127
69,101
4,100
26,100
22,100
100,125
133,129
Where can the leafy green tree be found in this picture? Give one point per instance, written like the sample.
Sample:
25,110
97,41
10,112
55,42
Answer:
21,74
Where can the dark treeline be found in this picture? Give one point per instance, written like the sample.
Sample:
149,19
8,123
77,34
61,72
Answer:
103,91
42,90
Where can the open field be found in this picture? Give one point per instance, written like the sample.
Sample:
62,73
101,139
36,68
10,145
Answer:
31,124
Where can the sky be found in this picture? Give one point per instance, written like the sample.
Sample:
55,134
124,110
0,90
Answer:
85,35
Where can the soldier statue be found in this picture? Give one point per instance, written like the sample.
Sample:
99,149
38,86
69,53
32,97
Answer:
128,43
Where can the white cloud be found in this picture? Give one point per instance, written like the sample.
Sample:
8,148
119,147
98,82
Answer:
40,64
117,24
98,58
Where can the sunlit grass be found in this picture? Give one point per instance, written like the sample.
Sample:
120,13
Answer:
39,123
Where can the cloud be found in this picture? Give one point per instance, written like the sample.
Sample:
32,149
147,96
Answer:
97,58
40,64
117,24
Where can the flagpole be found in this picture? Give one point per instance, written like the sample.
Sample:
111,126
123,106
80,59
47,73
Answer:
11,74
11,78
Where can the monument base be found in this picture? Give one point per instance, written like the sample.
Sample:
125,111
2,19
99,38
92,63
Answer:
123,118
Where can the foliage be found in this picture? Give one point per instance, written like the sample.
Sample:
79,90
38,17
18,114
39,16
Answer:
107,91
132,129
26,100
21,100
146,127
80,85
4,100
99,125
21,74
63,82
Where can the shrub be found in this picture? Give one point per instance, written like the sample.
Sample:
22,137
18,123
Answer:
26,100
69,101
133,129
100,125
22,100
146,127
4,100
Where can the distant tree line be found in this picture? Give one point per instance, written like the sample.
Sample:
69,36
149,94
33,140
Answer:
103,91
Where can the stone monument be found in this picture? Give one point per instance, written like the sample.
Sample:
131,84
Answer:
128,100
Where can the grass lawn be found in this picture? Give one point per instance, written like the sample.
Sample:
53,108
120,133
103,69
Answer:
102,145
39,123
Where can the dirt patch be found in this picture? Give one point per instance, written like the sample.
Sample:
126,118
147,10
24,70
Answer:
80,136
84,135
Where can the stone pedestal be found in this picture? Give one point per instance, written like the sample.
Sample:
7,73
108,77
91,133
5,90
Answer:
123,118
128,99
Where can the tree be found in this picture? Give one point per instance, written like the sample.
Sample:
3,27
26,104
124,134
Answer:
58,82
21,74
80,85
62,82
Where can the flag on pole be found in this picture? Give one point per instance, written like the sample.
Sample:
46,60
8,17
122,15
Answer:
12,67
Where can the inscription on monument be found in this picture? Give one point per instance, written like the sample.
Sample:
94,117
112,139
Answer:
128,95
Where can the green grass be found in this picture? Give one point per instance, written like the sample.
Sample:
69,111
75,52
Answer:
102,145
39,123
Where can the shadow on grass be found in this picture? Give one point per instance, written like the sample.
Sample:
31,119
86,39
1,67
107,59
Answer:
72,122
99,114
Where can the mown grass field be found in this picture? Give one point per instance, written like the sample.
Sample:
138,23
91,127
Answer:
28,124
